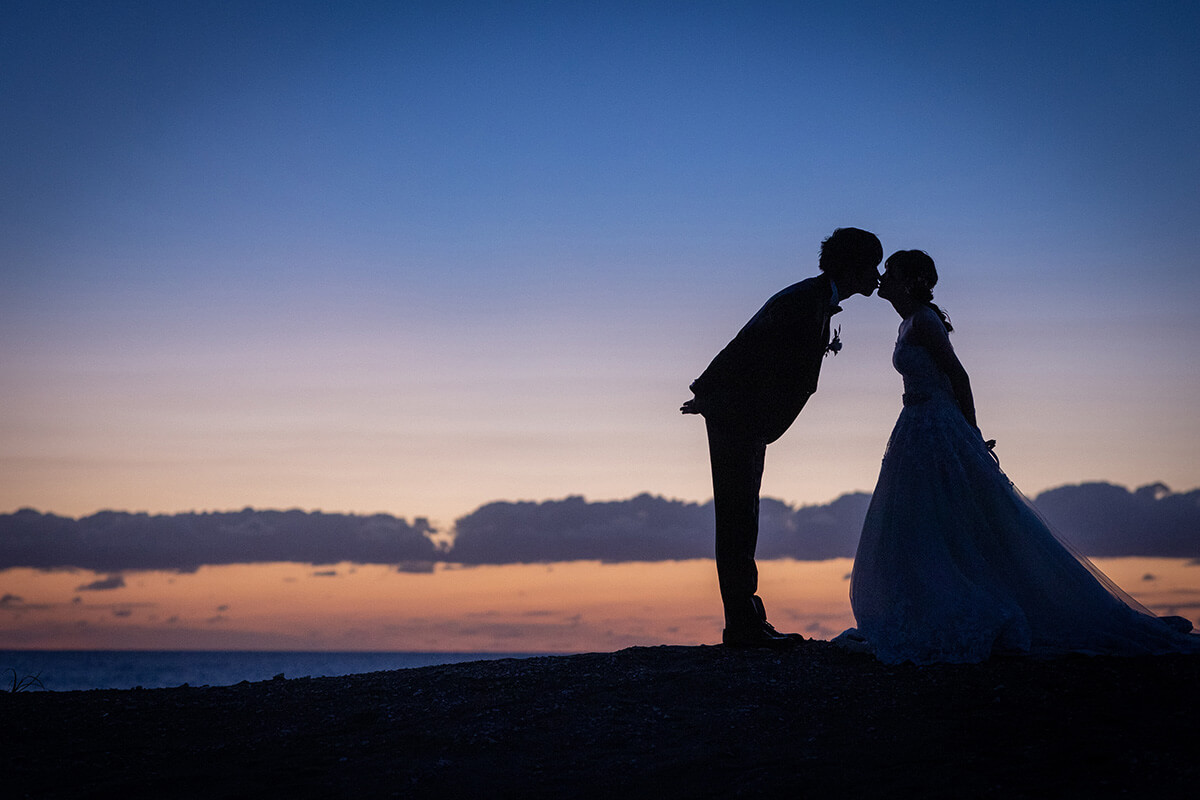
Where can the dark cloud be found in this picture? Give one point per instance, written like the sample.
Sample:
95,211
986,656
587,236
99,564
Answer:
812,533
416,567
647,528
11,600
1106,520
644,528
103,585
1100,519
111,540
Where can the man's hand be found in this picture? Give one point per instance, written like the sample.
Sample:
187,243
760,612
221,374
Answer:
689,407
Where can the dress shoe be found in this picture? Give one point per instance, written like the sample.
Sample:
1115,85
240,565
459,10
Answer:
762,635
795,637
761,610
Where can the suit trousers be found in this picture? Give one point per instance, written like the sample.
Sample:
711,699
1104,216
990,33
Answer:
737,458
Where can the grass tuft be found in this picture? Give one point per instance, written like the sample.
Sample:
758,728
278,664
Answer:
24,683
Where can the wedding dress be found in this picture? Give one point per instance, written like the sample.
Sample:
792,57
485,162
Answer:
954,564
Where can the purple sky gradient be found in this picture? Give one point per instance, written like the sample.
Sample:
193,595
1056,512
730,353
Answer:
416,257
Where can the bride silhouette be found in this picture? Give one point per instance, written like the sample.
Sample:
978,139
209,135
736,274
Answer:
954,564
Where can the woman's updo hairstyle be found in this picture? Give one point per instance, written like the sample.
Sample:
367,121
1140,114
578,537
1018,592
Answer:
918,275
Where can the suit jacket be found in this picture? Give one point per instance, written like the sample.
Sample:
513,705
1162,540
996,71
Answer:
763,378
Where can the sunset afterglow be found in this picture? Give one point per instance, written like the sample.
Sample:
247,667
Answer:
579,606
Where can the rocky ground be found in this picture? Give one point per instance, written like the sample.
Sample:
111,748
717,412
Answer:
663,722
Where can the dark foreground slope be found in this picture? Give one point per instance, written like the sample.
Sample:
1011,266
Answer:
659,722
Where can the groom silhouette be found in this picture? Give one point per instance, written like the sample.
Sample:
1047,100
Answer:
750,394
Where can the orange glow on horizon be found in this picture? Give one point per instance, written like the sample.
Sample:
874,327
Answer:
560,607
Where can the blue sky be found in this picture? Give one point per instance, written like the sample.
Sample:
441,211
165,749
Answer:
414,257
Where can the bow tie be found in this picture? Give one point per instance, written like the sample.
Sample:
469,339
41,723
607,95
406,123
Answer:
834,309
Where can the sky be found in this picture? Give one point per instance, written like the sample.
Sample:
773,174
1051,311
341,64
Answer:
415,257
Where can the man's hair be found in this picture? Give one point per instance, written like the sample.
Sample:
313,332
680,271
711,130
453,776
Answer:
847,247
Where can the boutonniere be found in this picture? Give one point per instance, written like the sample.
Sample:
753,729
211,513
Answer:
835,344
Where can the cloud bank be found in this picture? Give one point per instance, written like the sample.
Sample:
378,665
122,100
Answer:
644,528
1101,519
112,541
647,528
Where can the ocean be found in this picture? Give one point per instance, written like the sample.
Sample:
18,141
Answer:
70,670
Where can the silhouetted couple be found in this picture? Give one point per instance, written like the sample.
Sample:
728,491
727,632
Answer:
953,564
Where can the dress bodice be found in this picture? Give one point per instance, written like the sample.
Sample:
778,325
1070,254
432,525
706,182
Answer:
923,379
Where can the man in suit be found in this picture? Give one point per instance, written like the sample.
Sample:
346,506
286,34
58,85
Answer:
750,394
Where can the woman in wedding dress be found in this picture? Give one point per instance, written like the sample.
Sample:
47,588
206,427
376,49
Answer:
954,564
